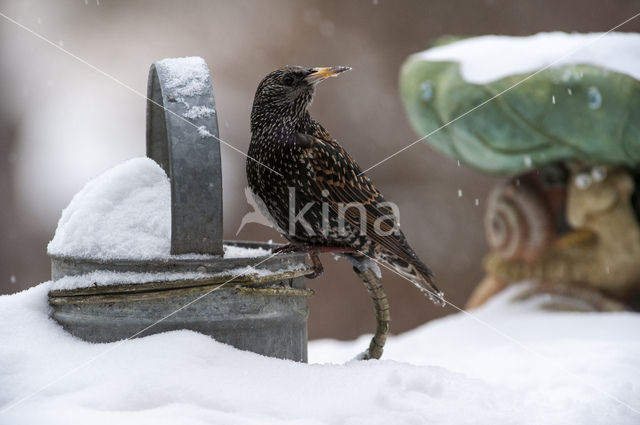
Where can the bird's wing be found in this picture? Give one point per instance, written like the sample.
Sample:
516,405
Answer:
338,180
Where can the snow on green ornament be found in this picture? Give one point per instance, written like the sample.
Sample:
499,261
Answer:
510,104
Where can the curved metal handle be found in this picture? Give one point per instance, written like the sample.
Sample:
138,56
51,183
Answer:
182,137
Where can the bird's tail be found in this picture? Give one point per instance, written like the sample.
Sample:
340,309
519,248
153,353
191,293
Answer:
417,273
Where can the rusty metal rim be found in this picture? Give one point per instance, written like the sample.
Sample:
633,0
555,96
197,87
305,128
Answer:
127,297
62,266
249,280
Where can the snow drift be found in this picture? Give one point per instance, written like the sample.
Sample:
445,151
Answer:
564,368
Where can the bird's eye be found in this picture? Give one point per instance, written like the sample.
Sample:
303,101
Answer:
287,80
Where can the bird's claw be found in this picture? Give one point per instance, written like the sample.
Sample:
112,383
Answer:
318,268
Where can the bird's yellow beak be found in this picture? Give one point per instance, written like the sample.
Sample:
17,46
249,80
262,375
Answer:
320,74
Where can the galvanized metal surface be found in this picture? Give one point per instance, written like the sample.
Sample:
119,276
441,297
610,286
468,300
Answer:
190,158
265,313
153,284
269,319
74,266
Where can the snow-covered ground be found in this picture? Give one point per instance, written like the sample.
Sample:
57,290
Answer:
491,57
455,370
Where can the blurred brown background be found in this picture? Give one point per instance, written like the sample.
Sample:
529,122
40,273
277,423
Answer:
62,123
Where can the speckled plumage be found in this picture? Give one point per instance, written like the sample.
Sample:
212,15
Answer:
290,150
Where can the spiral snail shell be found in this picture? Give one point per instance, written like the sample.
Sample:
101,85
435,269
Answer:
518,221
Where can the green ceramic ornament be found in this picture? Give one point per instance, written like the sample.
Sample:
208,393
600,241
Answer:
573,111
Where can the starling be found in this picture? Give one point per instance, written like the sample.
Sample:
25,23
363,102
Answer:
311,189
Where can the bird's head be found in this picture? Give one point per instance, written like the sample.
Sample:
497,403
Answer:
288,92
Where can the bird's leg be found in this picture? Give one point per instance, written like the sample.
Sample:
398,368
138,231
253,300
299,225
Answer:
383,318
290,247
318,268
313,252
286,248
330,249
